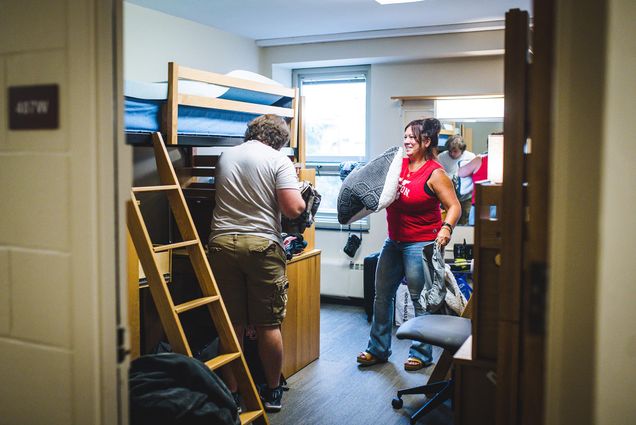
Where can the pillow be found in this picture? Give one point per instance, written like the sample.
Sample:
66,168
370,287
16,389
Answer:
370,188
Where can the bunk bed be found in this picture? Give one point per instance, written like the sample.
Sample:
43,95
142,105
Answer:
200,114
200,108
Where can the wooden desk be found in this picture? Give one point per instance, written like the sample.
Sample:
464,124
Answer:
301,328
476,361
475,385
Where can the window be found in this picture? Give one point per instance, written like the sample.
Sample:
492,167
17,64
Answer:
335,120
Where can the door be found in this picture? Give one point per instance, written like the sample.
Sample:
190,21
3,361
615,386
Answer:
525,250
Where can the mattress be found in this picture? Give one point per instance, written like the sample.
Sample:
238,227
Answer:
144,103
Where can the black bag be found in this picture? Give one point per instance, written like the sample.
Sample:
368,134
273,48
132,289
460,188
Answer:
370,263
173,389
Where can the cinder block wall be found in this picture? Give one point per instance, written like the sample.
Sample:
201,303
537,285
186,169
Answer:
56,193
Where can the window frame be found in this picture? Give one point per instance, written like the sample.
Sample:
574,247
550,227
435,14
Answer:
329,221
329,165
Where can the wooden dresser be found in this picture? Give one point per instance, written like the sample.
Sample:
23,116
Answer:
301,328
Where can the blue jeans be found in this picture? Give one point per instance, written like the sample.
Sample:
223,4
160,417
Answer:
398,259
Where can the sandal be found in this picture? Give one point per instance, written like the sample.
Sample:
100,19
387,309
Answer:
413,363
367,359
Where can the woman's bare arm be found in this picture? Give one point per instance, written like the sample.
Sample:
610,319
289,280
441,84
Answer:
443,188
470,167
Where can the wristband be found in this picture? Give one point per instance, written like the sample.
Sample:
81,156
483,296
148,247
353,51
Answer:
449,226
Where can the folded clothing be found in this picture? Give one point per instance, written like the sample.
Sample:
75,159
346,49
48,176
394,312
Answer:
293,244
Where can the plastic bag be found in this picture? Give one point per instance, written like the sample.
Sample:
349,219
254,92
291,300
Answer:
433,258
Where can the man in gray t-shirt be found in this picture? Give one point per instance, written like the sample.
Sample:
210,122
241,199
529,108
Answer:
255,183
451,159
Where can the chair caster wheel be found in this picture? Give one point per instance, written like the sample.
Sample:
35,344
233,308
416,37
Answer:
397,403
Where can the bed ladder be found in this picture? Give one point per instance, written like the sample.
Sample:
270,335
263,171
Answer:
231,354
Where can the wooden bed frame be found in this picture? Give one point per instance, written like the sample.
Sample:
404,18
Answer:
301,328
177,72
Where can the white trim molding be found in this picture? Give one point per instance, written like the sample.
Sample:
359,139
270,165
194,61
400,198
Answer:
387,33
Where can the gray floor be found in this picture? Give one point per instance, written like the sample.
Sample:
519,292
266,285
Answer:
333,390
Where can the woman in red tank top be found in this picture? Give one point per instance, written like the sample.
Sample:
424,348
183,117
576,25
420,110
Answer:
414,221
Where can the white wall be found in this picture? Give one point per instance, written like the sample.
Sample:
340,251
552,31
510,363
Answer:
402,66
381,50
152,39
591,342
397,70
616,338
58,234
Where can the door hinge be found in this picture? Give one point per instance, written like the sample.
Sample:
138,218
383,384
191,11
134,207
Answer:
122,351
536,302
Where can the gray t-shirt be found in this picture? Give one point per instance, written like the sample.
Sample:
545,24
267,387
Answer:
246,179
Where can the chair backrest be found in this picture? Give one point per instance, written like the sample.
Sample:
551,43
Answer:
445,361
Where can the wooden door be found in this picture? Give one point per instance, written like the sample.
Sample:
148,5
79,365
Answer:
531,404
521,352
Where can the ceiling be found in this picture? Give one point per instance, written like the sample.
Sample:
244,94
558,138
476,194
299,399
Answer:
272,22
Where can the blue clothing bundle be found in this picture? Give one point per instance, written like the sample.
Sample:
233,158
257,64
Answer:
294,244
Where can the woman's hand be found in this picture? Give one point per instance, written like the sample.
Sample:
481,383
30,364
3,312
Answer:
443,236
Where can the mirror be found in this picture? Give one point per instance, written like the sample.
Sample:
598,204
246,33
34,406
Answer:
475,136
473,117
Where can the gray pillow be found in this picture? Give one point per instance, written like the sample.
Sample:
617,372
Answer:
370,188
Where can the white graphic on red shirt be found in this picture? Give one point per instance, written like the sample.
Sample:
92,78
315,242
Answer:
402,189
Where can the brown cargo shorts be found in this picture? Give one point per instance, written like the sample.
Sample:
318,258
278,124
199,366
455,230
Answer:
251,274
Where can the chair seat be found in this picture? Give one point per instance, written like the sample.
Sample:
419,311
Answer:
448,332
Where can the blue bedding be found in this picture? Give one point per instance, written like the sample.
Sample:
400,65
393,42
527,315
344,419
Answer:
144,103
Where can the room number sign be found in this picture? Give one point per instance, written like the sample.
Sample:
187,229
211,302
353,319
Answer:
34,107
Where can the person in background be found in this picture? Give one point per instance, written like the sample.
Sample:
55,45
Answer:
255,183
477,170
414,221
455,154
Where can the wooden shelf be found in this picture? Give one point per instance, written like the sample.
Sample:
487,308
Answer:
445,97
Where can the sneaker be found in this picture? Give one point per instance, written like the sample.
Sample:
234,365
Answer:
272,398
237,400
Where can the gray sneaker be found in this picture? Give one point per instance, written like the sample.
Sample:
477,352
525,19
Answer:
272,398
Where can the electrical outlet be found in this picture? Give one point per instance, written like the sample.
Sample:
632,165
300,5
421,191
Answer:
356,266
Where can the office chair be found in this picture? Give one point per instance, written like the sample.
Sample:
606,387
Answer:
448,332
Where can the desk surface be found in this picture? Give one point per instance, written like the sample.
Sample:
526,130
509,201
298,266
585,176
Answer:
303,255
465,352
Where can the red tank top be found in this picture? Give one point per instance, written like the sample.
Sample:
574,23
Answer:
415,215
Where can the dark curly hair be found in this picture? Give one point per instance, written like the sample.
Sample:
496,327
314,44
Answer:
428,128
269,129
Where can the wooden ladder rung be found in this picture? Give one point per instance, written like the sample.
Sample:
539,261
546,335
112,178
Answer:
198,302
222,359
168,247
155,188
249,417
